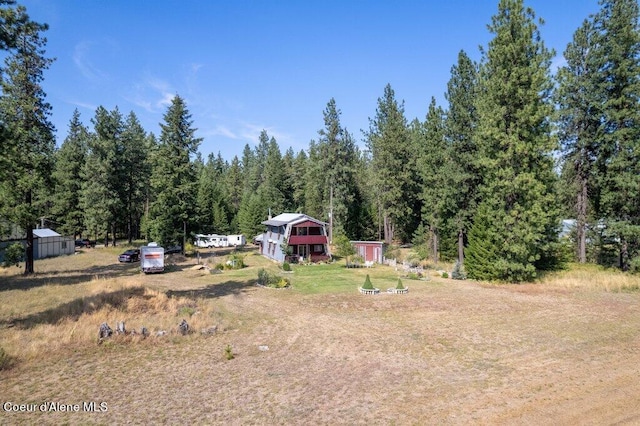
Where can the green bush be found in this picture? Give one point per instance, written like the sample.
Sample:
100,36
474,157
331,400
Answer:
189,249
286,267
458,272
367,284
281,283
228,353
13,254
219,266
399,286
236,261
263,277
445,275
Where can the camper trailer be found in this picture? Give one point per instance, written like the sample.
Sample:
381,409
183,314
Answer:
151,258
236,240
203,241
220,241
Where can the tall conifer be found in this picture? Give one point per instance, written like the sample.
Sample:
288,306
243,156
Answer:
515,147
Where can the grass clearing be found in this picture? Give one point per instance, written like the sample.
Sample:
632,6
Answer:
448,352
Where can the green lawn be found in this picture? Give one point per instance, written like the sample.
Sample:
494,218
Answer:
335,278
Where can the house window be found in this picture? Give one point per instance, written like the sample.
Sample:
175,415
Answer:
64,245
318,248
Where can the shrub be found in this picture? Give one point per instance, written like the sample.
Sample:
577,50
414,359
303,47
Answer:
189,249
634,265
219,266
263,277
414,275
286,267
281,283
399,286
413,259
236,261
5,360
228,352
367,284
445,275
13,255
458,272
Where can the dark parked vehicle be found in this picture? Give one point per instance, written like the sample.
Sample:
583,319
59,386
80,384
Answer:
85,243
173,250
132,255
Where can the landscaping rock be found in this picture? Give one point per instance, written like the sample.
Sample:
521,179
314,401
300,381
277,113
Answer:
105,331
184,327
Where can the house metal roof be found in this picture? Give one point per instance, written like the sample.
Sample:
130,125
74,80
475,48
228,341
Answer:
44,233
287,218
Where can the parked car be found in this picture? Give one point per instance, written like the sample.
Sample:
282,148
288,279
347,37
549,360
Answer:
132,255
173,250
85,243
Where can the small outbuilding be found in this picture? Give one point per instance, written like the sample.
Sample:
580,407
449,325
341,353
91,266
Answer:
371,251
48,243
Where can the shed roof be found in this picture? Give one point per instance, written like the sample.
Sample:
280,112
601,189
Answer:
45,232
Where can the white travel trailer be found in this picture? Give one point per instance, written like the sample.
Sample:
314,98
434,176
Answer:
220,241
151,258
203,240
236,240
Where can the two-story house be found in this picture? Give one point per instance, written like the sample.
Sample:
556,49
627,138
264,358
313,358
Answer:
295,237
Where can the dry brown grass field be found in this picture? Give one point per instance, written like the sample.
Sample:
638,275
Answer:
564,350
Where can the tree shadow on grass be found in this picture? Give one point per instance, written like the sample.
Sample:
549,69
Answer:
26,282
215,290
74,309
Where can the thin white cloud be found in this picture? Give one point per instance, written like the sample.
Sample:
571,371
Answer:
224,131
84,105
82,61
152,94
251,133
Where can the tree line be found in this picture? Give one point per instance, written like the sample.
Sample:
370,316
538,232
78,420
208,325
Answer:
485,180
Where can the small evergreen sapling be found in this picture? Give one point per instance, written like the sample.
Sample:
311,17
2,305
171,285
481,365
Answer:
399,286
458,272
367,284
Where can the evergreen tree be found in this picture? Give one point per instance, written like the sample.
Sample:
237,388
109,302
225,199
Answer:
212,210
393,166
288,164
68,178
298,182
336,186
579,116
27,134
174,177
273,179
463,178
101,199
136,168
619,52
433,166
233,185
313,197
515,147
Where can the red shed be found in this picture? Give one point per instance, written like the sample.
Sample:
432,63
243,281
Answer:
371,251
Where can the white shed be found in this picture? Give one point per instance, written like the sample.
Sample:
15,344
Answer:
48,243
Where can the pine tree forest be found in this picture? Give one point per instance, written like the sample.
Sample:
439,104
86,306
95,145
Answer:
488,179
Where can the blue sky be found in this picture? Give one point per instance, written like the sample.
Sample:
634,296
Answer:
244,66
